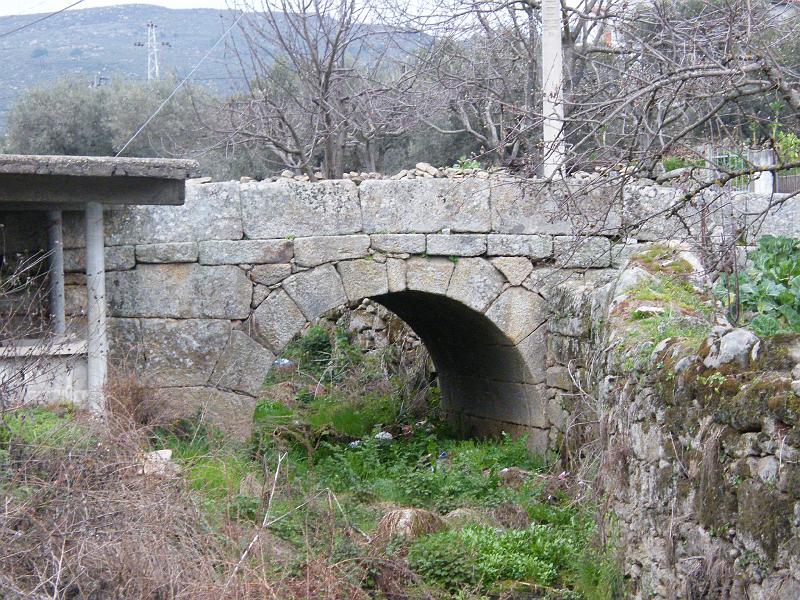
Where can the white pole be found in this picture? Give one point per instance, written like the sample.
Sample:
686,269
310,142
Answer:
552,87
55,244
763,182
97,340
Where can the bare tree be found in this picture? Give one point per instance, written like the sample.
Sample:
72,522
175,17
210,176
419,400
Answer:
324,79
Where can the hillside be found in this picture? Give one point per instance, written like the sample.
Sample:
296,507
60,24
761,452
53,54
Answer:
101,42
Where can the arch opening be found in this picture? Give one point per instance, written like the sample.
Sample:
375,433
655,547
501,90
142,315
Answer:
485,382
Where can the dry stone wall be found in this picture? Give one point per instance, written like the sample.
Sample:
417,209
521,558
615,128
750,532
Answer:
693,445
204,296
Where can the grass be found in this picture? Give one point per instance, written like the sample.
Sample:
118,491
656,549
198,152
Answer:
352,484
673,291
686,310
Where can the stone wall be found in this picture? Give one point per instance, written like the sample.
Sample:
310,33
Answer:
693,444
204,296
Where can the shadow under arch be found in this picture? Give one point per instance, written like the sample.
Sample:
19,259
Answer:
485,382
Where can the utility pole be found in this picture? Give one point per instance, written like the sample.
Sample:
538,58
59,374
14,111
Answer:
153,45
552,88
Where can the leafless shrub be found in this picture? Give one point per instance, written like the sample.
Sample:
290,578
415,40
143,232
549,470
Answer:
80,520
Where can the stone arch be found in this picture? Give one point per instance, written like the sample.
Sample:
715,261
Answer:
485,336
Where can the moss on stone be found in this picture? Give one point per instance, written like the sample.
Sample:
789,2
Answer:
660,258
764,514
765,394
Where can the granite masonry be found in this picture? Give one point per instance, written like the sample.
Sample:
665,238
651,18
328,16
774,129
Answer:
205,295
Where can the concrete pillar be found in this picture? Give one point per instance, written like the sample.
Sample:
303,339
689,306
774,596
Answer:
55,243
764,182
552,88
97,336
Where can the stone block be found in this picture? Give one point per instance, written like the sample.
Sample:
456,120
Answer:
533,349
399,243
270,274
316,291
571,325
560,208
546,280
182,352
396,274
228,411
755,502
243,365
514,268
75,300
428,274
425,205
648,213
73,229
117,258
363,278
517,312
287,208
181,291
764,214
277,320
536,247
559,377
582,252
456,245
254,252
171,252
475,282
318,250
557,416
125,345
260,293
211,212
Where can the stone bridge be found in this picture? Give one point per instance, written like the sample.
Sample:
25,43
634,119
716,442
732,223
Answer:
205,295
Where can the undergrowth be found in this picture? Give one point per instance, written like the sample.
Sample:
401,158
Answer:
294,513
767,294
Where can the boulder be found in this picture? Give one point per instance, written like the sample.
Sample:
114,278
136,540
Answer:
408,524
461,517
738,346
514,477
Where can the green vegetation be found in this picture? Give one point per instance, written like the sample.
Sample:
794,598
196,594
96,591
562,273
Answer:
787,145
671,163
465,163
522,534
322,480
666,305
767,294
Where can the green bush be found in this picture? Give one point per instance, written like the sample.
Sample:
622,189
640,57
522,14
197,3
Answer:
768,291
542,554
314,350
442,559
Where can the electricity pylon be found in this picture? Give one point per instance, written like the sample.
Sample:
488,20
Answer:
152,51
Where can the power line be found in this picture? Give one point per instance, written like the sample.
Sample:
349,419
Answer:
180,85
39,20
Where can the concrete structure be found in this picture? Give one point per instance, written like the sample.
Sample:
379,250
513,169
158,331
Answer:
202,297
54,365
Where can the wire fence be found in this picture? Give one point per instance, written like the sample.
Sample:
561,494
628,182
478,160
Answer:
725,160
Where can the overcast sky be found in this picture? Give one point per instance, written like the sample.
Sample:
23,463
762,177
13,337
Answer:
19,7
